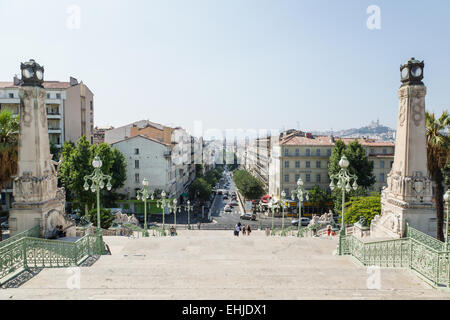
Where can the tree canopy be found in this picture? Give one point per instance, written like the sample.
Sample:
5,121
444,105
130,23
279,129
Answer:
249,186
367,207
438,154
201,188
359,165
9,135
77,163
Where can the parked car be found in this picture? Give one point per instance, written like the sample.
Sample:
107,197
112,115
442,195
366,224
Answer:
304,222
248,216
234,202
225,197
227,208
5,225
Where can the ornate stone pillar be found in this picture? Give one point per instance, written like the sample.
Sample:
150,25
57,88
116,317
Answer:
408,195
37,199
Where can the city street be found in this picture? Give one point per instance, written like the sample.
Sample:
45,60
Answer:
224,219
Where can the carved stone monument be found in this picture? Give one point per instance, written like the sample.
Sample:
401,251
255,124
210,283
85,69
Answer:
408,195
37,199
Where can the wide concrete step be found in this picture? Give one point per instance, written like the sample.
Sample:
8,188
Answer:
217,265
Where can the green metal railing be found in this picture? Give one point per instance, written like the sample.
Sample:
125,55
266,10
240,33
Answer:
33,232
23,252
418,251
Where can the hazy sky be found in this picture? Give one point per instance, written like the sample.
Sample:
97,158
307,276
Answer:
233,63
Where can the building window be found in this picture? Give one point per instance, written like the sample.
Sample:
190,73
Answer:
136,164
136,151
392,163
11,95
286,164
382,177
297,152
286,178
308,177
48,95
308,164
318,177
58,96
385,151
372,151
317,164
308,152
317,152
329,152
297,164
91,105
136,178
286,152
297,176
382,164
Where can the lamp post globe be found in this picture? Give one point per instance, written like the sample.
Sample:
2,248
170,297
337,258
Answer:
344,163
145,182
97,163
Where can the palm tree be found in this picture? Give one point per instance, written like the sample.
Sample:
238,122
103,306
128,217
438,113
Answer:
9,129
438,153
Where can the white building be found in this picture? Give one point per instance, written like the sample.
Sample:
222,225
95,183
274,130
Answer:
146,158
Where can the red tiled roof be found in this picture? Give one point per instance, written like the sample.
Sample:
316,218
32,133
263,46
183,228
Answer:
326,141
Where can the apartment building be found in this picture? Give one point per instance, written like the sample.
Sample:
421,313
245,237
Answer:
257,158
302,155
70,108
146,158
180,165
99,134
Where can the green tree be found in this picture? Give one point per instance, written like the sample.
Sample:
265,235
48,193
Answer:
367,207
249,186
77,163
211,178
359,165
438,153
106,218
446,173
199,170
9,150
318,196
9,135
201,188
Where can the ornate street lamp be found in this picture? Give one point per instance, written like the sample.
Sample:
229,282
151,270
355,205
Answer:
272,207
283,206
97,179
189,209
302,195
447,201
174,208
343,178
143,194
162,203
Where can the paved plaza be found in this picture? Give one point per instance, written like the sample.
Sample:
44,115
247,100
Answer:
216,265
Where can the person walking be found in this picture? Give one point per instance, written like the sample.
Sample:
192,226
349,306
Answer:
249,230
243,230
198,225
329,230
237,229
